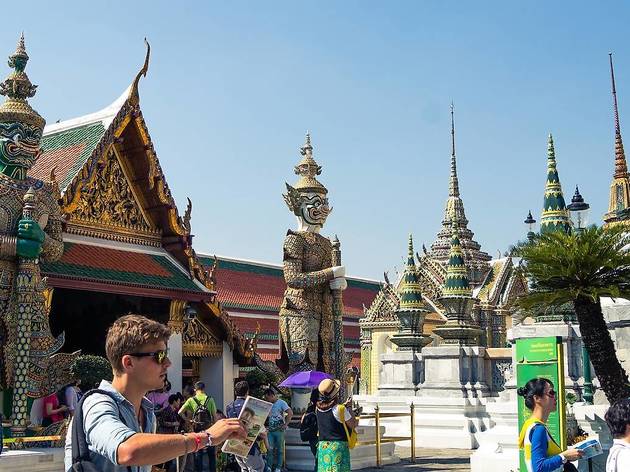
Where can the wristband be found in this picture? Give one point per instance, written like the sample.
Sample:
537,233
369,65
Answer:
564,459
197,442
209,439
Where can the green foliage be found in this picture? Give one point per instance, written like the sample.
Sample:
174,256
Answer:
91,370
258,381
564,266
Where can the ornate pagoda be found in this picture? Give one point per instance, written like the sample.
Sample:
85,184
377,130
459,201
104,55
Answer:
555,215
494,285
619,202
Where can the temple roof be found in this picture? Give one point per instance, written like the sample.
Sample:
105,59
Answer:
93,265
250,285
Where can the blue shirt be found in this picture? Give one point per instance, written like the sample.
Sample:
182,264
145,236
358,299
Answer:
232,411
540,461
105,431
276,415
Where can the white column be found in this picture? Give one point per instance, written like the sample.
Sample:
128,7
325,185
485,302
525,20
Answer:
175,355
228,374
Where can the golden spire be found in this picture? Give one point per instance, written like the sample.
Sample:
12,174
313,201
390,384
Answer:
621,168
17,87
307,169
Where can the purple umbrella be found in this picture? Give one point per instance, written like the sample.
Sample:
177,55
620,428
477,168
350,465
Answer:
305,379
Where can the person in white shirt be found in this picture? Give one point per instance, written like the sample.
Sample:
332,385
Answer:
618,420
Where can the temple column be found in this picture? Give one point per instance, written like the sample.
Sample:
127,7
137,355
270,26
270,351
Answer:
176,325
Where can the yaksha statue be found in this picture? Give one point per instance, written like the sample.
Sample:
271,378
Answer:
30,230
307,328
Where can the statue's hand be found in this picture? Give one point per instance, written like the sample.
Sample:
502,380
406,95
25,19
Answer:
29,239
338,284
29,229
28,249
339,271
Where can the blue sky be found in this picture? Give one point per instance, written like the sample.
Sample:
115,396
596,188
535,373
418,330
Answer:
233,87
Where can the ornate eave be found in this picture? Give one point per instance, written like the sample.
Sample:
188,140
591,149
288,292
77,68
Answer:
198,340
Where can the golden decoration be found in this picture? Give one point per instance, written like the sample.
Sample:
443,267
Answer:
198,340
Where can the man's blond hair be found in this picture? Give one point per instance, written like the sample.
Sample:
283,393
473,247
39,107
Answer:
130,333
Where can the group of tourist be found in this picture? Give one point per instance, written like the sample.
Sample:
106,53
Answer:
542,452
119,427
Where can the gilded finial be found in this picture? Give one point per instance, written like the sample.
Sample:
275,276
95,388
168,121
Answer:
621,167
134,95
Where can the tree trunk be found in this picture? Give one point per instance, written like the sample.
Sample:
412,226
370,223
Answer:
611,375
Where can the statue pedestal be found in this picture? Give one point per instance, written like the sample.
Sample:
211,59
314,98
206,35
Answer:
299,457
401,372
33,460
454,371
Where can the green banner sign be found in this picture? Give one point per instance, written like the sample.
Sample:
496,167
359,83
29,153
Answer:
542,357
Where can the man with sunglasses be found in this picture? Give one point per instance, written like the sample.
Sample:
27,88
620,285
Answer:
120,430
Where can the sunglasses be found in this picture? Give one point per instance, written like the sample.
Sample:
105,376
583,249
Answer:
158,356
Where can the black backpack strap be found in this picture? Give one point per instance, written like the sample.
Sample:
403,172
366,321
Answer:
196,401
80,450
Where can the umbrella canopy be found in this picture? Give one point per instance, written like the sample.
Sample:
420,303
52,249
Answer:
305,379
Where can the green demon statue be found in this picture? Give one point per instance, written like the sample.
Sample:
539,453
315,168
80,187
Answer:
307,328
30,230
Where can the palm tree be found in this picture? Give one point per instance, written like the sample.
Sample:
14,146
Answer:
580,268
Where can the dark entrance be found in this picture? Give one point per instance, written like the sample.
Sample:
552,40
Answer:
85,316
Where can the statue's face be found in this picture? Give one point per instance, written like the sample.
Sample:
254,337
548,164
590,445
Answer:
19,144
314,208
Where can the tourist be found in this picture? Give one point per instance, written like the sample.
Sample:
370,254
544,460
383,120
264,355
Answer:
542,453
279,418
618,421
160,397
308,425
119,432
333,454
199,411
254,461
69,396
169,423
53,411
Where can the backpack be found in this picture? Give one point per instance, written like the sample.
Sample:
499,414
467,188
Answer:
202,419
80,453
308,427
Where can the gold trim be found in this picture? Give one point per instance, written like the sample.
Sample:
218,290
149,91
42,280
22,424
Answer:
176,316
199,341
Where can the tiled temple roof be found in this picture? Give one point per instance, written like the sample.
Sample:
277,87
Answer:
257,286
137,271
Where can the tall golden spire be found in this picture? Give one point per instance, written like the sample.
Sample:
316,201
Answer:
619,200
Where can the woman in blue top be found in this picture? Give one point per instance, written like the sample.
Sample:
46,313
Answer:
542,453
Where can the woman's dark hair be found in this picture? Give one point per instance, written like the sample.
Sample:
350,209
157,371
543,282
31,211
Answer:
172,398
618,417
535,387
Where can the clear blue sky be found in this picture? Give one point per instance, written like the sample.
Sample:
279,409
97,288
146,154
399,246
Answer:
233,86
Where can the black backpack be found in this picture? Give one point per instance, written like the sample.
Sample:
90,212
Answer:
80,453
202,419
308,427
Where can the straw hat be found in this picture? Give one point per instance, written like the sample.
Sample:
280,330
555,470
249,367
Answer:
329,388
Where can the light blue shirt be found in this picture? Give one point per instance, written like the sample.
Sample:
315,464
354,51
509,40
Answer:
105,431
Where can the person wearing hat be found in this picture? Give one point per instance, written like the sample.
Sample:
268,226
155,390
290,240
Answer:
333,453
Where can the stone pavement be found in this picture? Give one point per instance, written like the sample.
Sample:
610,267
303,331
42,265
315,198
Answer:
429,460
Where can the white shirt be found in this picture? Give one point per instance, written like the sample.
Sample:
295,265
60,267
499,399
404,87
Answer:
618,457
